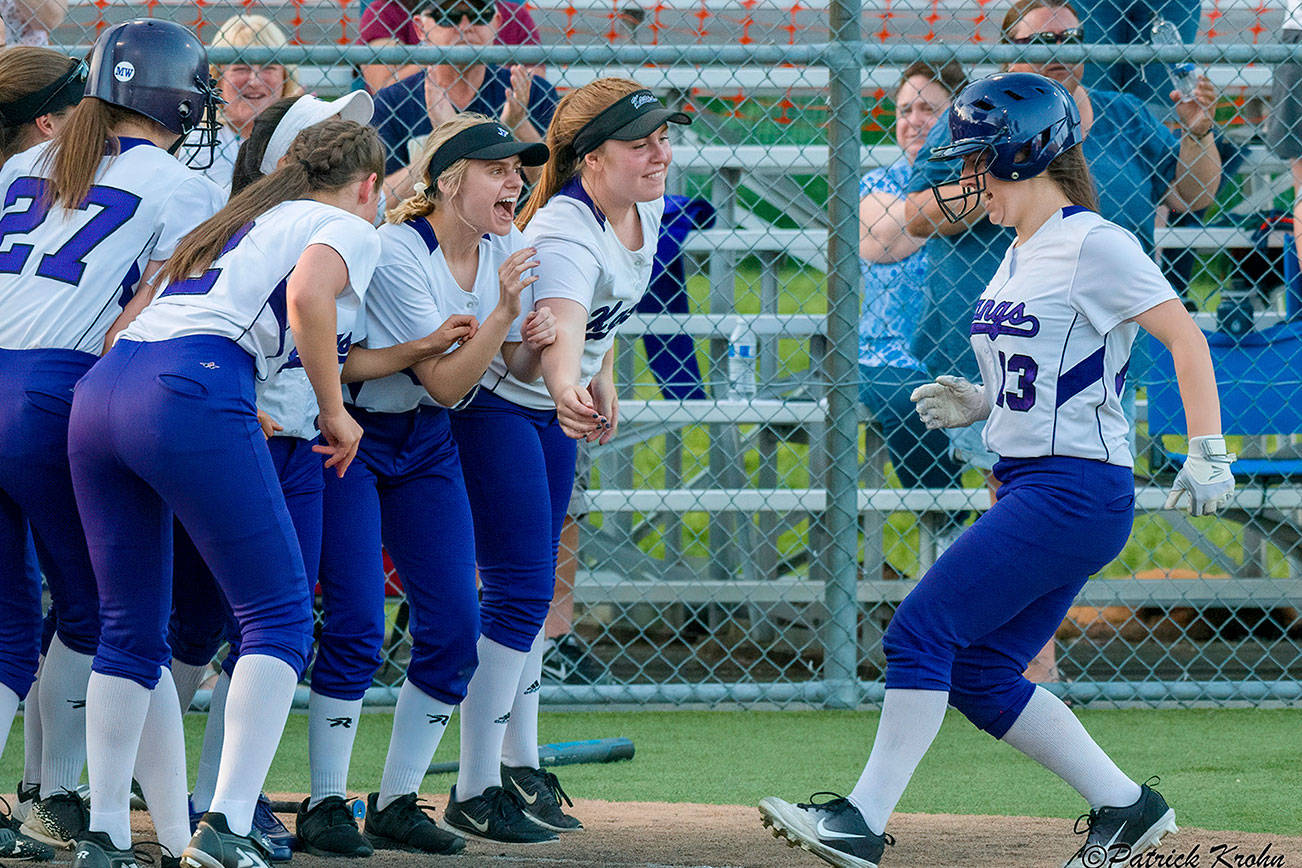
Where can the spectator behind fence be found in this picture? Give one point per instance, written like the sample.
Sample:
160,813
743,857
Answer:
1130,22
894,266
1284,125
29,22
407,111
1137,165
392,22
247,88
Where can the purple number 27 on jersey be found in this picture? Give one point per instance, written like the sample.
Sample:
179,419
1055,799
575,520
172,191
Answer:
67,264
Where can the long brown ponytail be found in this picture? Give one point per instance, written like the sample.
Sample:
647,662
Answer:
324,157
79,147
24,70
575,109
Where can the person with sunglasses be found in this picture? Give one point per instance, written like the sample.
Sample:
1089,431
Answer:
406,112
1137,163
391,22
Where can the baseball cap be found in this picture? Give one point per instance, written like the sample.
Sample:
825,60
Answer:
308,110
629,118
487,141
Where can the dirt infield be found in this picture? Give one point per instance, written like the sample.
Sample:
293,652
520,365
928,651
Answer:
620,834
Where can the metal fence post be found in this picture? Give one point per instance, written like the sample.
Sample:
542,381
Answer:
839,526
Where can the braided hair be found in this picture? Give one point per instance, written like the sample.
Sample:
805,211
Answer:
324,157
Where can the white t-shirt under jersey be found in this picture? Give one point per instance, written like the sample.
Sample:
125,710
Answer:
1052,337
65,274
581,258
413,293
242,296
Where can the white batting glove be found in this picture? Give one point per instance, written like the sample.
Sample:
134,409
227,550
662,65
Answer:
1205,477
950,402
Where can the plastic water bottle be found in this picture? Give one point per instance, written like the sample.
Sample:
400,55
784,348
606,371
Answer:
1184,75
741,361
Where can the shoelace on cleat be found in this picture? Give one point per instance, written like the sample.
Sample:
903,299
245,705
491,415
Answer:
501,803
411,809
1096,814
836,803
551,782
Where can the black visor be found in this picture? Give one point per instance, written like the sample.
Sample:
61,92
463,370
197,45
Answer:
632,117
490,141
67,90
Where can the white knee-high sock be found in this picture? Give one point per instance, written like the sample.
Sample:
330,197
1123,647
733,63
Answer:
32,731
160,766
8,710
419,722
115,717
63,717
331,730
261,692
520,744
210,756
1050,734
485,712
910,721
187,678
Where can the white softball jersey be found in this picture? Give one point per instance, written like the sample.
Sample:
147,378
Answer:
66,274
242,295
1052,336
413,293
581,258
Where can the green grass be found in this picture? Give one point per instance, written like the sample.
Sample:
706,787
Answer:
1222,769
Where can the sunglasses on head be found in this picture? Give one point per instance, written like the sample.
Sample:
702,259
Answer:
1070,36
451,15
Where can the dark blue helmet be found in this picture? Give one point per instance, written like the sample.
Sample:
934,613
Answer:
159,69
1021,122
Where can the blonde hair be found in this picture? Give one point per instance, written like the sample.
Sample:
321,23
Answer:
324,157
574,111
428,196
259,31
24,70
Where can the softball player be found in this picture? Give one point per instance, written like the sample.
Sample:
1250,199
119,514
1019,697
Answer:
89,218
595,221
288,410
165,423
38,88
1052,334
450,249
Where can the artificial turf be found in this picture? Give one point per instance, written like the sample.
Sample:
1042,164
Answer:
1234,769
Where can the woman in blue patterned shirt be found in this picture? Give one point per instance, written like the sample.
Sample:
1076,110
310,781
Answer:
894,266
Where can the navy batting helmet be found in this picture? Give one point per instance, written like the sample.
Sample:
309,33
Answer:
1019,121
159,69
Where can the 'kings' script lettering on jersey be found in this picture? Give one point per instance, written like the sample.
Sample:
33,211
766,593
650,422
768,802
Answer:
994,318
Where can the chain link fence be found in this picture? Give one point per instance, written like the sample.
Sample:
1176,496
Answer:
765,504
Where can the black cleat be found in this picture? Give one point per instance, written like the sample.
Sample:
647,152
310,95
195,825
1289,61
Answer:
16,846
540,795
27,797
96,850
58,820
567,661
1116,835
834,830
407,825
214,845
497,815
328,829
